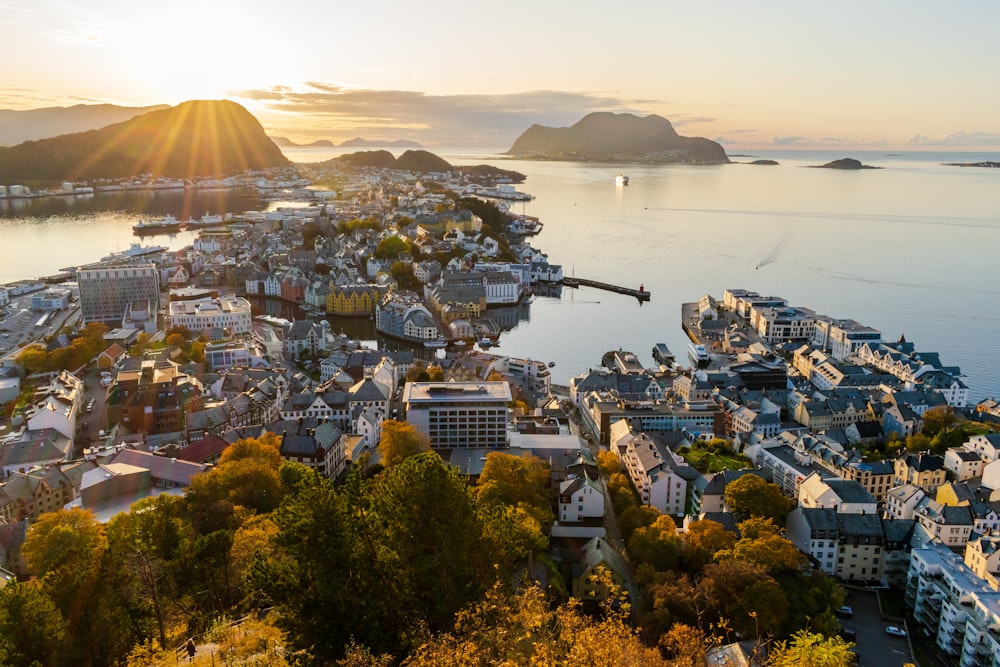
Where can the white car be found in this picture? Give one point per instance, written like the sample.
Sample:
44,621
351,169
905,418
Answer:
893,631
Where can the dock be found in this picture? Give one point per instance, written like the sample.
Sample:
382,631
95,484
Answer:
642,294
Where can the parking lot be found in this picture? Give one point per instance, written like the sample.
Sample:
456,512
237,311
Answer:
875,648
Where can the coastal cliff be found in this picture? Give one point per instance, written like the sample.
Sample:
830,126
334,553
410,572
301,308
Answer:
617,137
196,138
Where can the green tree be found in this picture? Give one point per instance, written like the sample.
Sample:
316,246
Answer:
918,442
938,420
517,481
31,627
751,495
391,247
400,440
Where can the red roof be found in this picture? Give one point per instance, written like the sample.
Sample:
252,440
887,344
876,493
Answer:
203,450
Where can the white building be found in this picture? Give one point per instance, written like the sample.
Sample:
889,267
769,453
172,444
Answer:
107,292
230,314
580,498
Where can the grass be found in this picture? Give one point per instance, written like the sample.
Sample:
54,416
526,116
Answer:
714,459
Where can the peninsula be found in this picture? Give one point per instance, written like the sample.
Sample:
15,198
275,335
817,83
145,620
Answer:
611,137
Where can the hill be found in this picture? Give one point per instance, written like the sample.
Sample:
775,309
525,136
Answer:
285,142
358,142
19,126
423,162
196,138
616,137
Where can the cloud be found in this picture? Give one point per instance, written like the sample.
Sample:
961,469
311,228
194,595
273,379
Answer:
27,98
690,120
960,139
334,111
789,141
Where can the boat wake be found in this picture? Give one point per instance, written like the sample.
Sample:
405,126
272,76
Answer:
775,252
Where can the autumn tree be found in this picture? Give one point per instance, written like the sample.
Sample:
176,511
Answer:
399,441
521,628
760,543
657,544
807,649
702,540
750,495
608,463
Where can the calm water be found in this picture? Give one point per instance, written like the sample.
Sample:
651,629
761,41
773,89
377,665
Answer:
909,249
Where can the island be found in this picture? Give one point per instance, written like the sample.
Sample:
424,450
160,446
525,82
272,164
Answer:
610,137
844,163
769,163
988,164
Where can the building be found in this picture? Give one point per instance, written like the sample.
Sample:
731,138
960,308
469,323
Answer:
153,397
50,299
230,314
106,292
459,414
848,546
842,338
925,471
660,476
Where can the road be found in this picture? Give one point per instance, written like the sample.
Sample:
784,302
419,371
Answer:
876,649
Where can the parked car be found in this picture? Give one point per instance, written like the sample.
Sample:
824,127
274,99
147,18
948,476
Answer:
844,611
893,631
847,633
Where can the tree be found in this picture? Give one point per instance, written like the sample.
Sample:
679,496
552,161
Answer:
31,626
392,247
176,340
515,481
608,463
939,419
685,645
750,495
918,442
656,544
702,540
520,628
807,649
399,441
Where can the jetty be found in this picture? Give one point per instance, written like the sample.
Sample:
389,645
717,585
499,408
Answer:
642,294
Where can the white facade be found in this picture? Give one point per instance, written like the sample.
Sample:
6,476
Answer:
580,498
231,314
459,414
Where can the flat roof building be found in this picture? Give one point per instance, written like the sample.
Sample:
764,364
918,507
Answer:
459,414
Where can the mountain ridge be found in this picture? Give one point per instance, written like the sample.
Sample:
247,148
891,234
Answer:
18,126
193,139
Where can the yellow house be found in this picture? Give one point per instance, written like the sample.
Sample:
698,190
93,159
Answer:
352,300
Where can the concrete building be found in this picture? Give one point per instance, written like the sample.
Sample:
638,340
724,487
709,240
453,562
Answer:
106,292
459,414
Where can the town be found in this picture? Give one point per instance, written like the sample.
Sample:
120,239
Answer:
128,378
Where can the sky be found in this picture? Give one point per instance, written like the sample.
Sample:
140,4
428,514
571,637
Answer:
894,74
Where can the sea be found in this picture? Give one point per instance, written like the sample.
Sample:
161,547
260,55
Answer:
909,249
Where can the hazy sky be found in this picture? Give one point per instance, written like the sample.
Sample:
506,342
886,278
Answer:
894,74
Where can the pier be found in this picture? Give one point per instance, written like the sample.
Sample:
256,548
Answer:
642,294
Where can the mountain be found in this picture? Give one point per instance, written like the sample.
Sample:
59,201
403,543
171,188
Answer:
620,137
844,163
196,138
358,142
19,126
285,142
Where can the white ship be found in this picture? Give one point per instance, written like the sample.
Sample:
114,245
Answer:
621,179
699,355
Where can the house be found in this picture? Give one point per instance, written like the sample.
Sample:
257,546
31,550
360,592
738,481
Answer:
902,501
844,497
588,582
653,469
581,497
926,471
313,442
305,336
35,448
964,463
847,545
110,357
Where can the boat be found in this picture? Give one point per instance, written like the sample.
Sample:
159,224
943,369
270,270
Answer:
663,355
551,364
207,221
134,250
440,342
699,355
161,226
621,179
485,343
